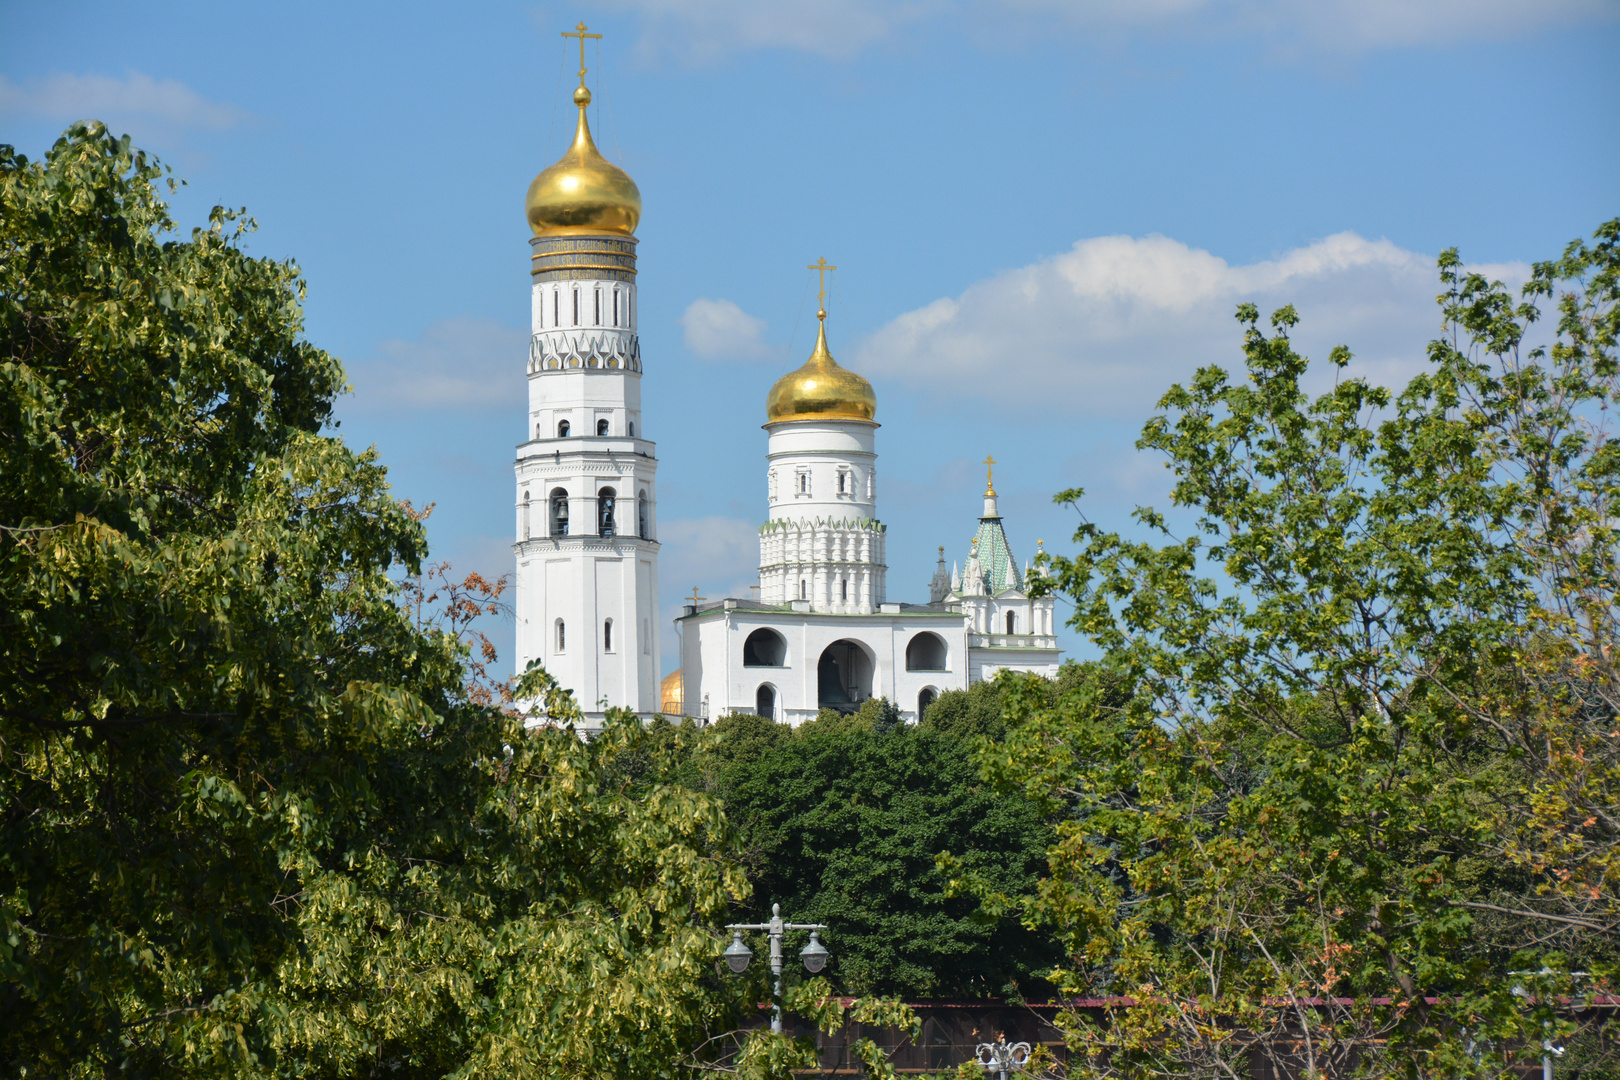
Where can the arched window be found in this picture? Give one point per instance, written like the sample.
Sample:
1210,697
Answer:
525,515
804,589
764,648
925,699
632,429
562,636
596,318
615,307
804,483
843,588
601,427
562,429
1012,622
605,500
843,482
765,701
559,512
643,526
607,635
925,652
576,307
556,320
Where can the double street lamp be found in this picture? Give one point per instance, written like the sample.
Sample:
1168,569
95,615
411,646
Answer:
737,954
1000,1058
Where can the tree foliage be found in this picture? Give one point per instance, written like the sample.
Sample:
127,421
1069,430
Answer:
253,819
1366,762
840,821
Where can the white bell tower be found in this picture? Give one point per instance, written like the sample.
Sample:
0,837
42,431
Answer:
587,553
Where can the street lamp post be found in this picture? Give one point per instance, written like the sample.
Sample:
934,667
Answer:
737,954
999,1058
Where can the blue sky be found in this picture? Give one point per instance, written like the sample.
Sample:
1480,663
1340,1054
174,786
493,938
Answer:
1043,211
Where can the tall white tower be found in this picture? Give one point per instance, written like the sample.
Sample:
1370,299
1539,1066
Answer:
823,546
587,553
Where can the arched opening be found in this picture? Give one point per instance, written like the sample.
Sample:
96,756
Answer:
562,636
607,635
924,699
925,652
764,648
526,532
562,429
843,676
843,588
632,429
1012,622
559,512
601,427
643,529
765,701
605,524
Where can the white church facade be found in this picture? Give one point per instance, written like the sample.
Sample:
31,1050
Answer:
822,633
587,496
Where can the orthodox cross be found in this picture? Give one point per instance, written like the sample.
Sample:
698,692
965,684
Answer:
989,475
695,597
579,32
821,266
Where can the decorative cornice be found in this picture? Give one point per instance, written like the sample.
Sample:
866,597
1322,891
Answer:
610,350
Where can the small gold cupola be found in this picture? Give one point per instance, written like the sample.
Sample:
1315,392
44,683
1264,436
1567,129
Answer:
821,389
583,191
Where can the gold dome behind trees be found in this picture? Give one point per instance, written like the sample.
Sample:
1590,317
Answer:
583,190
821,389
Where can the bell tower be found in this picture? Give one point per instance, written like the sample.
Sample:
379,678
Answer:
587,548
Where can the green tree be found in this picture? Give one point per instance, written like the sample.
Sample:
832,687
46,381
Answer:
1371,707
253,821
841,820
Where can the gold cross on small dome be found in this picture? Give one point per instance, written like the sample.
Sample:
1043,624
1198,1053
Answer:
989,475
579,32
821,266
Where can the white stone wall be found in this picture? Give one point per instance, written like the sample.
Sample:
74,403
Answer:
822,542
713,668
603,590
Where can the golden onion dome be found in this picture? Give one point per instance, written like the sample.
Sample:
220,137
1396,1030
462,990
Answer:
821,389
672,695
584,190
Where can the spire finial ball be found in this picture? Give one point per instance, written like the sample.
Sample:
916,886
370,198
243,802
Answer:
582,96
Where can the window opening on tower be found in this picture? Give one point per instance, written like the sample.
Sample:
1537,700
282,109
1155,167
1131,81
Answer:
556,320
601,427
559,512
641,517
1012,622
576,307
607,635
562,636
596,316
605,500
562,429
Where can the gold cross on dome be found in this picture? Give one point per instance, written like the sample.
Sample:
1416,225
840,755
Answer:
579,32
821,266
989,475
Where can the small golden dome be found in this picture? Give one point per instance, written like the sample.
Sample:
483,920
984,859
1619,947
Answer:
584,190
672,696
820,390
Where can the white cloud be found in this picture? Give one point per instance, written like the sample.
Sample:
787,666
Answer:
1109,324
137,99
456,364
720,330
841,29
